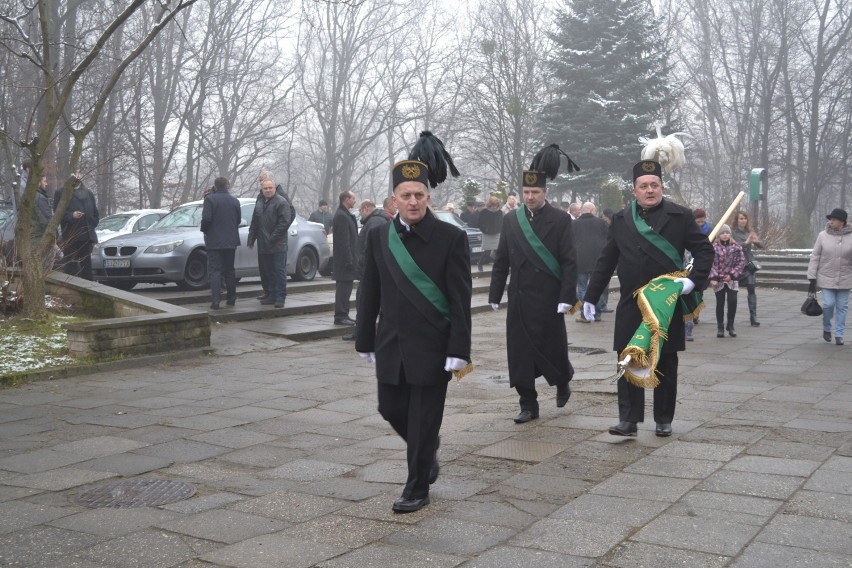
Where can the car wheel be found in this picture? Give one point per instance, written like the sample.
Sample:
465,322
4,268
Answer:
122,284
306,265
195,272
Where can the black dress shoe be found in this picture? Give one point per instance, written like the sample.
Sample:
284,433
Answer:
403,505
348,337
344,321
827,336
434,471
231,303
267,301
623,429
562,395
525,416
279,304
214,306
663,430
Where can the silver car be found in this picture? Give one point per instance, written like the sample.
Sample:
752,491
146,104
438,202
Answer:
172,250
127,222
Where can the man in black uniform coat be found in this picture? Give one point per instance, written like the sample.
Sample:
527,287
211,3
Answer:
539,293
638,262
418,341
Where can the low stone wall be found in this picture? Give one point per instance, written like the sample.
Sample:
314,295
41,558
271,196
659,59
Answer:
127,324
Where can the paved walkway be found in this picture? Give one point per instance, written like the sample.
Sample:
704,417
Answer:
295,468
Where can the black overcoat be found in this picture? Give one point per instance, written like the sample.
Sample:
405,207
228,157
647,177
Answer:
410,336
537,343
345,231
636,267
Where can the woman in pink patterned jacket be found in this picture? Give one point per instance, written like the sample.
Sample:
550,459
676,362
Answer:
724,278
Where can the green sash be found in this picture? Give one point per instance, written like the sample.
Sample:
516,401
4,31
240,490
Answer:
545,255
416,275
692,302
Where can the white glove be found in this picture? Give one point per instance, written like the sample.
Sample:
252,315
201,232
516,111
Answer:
454,364
562,308
588,311
688,285
368,357
495,307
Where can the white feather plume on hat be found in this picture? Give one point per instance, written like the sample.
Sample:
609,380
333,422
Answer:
667,150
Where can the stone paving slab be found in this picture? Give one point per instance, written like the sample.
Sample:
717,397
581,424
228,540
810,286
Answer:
294,466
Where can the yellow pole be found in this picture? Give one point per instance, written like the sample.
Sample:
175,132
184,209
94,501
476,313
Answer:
722,219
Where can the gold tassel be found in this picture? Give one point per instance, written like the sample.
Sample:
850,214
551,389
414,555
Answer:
460,374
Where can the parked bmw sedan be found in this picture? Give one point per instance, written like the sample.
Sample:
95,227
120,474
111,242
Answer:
172,250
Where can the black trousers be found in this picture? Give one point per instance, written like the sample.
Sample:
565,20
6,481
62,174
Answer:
342,293
415,412
720,306
631,399
77,258
220,264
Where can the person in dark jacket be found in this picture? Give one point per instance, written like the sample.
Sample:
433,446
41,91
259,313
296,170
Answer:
537,246
370,217
78,229
470,215
631,247
490,223
323,215
589,238
345,230
419,339
269,224
220,223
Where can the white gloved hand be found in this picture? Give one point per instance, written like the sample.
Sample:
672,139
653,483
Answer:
368,357
562,308
688,285
588,311
495,307
454,364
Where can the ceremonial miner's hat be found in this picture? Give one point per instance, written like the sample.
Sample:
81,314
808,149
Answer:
427,162
647,168
545,165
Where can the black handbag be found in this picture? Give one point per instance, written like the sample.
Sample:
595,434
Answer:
751,267
811,307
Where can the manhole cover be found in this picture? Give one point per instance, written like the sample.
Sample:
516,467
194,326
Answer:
135,493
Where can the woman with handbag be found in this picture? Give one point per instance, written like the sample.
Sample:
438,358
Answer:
831,268
748,239
724,278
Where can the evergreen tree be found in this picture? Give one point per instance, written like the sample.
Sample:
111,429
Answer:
471,189
609,77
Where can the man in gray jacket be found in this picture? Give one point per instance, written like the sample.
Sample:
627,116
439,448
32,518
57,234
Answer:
269,223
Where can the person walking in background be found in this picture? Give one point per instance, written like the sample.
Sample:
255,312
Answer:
220,223
345,230
41,218
389,206
511,204
701,220
589,240
728,266
490,223
269,223
78,229
748,239
830,268
323,215
470,215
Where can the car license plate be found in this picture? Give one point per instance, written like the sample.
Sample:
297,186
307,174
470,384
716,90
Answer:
117,263
477,249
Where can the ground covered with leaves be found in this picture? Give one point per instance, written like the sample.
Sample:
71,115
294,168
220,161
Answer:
28,345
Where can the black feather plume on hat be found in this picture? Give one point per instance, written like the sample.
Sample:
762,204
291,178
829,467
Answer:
547,161
430,150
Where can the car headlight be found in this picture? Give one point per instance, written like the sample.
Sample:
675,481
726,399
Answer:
163,248
96,249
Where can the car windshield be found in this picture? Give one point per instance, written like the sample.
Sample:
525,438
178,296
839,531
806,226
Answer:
451,218
184,216
113,222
